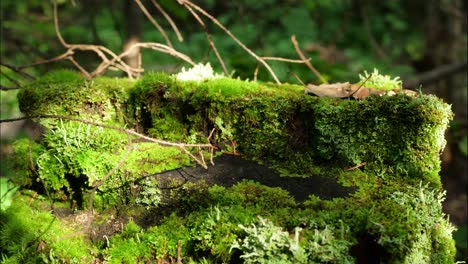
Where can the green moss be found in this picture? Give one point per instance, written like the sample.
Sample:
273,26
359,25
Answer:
396,135
31,235
67,93
396,140
393,134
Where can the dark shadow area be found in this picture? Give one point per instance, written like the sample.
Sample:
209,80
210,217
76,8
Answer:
229,170
367,251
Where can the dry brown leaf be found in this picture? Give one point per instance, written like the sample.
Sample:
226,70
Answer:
343,90
336,90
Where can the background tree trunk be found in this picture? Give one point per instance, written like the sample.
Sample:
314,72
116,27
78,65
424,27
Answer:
446,35
133,32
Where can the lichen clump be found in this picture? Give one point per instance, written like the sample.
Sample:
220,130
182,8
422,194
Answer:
198,72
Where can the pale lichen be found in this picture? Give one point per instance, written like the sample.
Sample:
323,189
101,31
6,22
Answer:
198,72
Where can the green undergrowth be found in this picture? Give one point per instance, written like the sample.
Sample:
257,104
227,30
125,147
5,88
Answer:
386,147
29,233
248,223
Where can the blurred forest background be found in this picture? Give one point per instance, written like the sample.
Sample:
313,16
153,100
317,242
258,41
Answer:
422,41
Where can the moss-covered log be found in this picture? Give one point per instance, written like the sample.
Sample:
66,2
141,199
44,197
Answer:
386,147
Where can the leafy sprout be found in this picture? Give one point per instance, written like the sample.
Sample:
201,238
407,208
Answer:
380,82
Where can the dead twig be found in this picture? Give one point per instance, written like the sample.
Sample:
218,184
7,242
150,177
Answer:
357,166
168,18
285,59
297,78
306,61
117,166
179,252
110,60
154,22
17,85
57,27
186,3
18,70
6,88
182,146
360,86
17,74
210,40
256,72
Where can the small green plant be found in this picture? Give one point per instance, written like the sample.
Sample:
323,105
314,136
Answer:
150,195
29,234
215,233
267,243
8,190
380,82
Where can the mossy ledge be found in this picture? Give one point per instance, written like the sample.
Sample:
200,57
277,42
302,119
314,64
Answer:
387,147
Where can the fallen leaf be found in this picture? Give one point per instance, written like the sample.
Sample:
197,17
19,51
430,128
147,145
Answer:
343,90
336,90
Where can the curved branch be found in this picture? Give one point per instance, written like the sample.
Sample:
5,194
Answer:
57,28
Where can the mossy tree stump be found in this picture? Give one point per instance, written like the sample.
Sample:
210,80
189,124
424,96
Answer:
385,148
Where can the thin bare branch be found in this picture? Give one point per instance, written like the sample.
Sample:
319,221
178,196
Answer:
200,162
57,28
118,165
169,19
110,60
210,40
18,70
301,55
297,78
11,79
6,88
285,60
256,72
357,166
162,48
186,3
64,56
154,22
85,72
182,146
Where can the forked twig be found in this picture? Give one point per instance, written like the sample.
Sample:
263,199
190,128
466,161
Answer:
210,40
110,59
186,3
